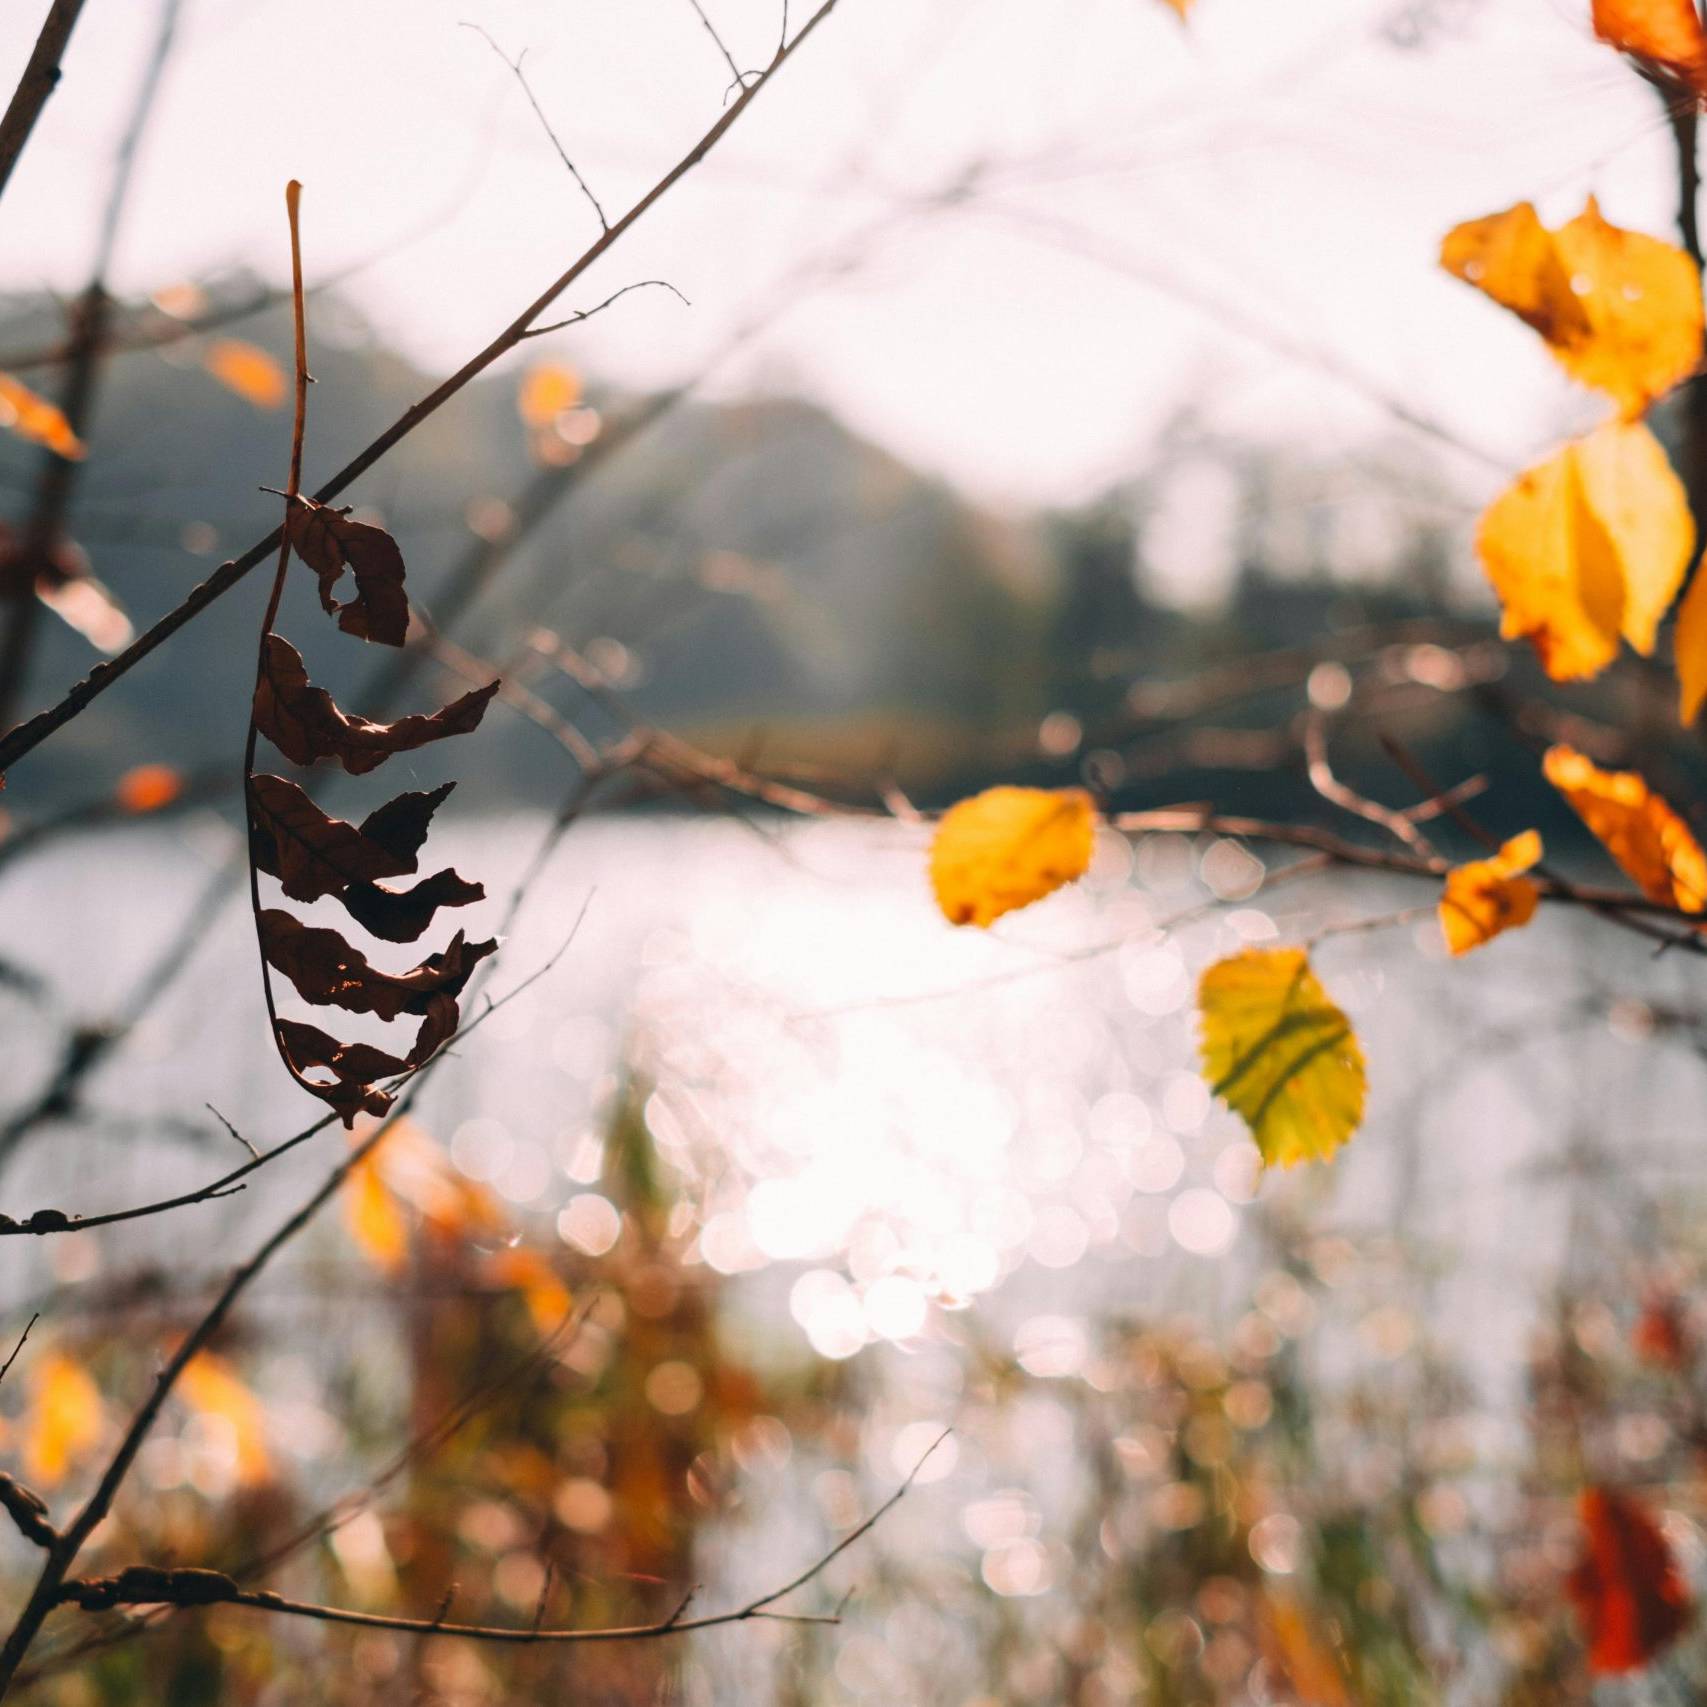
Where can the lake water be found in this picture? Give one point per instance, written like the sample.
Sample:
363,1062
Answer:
911,1147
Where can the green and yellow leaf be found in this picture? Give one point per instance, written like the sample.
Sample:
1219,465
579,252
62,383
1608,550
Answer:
1281,1054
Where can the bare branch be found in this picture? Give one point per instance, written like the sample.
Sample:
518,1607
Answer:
40,79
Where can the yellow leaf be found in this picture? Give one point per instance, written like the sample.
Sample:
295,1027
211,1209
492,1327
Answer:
1280,1054
248,370
34,418
1621,311
1008,847
1667,31
546,391
1651,844
210,1386
1590,544
64,1421
374,1220
1488,896
1689,646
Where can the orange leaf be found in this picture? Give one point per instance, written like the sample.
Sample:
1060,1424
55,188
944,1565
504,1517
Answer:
34,418
1488,896
1637,827
528,1271
1587,546
1621,311
248,370
65,1419
1689,649
210,1386
1627,1589
546,391
1182,7
373,1218
1666,31
147,788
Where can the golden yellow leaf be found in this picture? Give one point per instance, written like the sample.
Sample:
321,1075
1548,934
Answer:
1619,310
1689,647
210,1386
248,370
374,1220
1008,847
1488,896
546,391
1281,1054
1651,844
64,1419
1667,31
1591,544
34,418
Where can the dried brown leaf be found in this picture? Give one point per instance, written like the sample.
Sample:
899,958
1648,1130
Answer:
312,854
356,1068
400,915
329,542
306,725
327,971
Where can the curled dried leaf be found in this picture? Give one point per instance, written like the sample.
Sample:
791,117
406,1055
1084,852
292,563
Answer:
329,542
1650,842
1488,896
312,854
326,970
401,915
356,1068
306,725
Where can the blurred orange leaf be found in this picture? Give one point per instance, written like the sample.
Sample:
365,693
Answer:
1627,1589
1008,847
1281,1054
211,1387
1299,1657
248,370
373,1218
1651,844
1661,1335
64,1421
1181,7
1587,546
546,391
1621,311
1488,896
147,788
531,1274
34,418
1666,31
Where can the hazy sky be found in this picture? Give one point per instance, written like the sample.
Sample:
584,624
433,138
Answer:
1144,195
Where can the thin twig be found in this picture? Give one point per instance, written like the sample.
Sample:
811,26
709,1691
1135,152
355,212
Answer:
515,66
5,1368
40,79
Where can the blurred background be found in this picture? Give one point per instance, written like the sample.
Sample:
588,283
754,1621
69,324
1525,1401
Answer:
1057,394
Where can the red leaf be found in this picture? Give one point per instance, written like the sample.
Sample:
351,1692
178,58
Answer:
329,543
1628,1591
305,724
